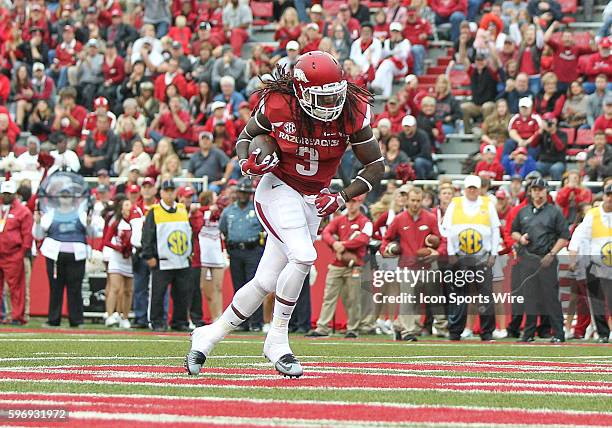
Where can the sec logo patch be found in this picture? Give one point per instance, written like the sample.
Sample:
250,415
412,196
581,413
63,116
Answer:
177,242
289,127
470,241
606,254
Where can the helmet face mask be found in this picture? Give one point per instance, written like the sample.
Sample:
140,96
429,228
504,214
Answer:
323,103
319,85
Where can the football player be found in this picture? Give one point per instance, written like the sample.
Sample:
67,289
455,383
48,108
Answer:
314,114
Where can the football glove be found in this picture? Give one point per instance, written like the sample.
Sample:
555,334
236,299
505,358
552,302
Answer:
328,203
250,166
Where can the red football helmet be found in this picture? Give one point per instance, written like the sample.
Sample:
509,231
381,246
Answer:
319,84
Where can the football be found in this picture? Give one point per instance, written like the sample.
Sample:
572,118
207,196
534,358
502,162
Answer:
423,252
393,249
267,144
432,241
348,258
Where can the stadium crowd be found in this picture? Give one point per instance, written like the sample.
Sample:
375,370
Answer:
138,90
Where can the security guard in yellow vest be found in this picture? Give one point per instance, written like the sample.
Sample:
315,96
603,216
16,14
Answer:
166,246
596,228
472,230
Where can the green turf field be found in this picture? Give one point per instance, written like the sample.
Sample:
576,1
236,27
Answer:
504,375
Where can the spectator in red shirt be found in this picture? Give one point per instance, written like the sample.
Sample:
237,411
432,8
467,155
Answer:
394,113
352,24
565,55
410,96
599,63
172,76
524,129
571,195
204,35
8,129
604,122
312,39
453,11
530,55
172,122
65,56
551,99
37,19
113,69
69,116
488,167
288,29
417,30
180,32
348,236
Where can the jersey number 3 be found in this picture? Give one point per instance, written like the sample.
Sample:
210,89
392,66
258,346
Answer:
311,158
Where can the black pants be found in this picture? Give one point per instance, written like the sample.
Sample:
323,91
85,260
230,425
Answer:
160,280
457,313
67,273
301,317
243,265
600,293
195,297
541,290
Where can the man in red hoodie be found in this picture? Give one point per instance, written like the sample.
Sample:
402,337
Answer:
453,11
394,113
15,241
488,167
412,228
599,63
417,30
65,56
348,236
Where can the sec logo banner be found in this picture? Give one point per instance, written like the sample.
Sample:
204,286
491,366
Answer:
470,241
606,254
177,242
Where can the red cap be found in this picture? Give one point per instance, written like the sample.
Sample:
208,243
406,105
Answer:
133,188
116,12
186,192
548,116
520,150
605,43
69,28
100,102
501,194
36,6
148,181
244,104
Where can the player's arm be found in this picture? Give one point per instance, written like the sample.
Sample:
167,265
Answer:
367,151
258,124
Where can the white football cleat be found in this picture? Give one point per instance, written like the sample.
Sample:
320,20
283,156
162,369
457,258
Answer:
112,320
382,325
467,333
125,323
499,334
288,366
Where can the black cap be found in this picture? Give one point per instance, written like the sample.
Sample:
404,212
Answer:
539,182
204,25
516,177
480,55
608,189
168,184
246,185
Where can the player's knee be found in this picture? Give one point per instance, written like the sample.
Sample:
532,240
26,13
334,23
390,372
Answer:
266,281
305,255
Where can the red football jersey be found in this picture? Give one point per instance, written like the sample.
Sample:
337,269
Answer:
309,162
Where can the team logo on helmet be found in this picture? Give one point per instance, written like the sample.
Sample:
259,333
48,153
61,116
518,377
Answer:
606,254
299,75
470,241
289,127
177,242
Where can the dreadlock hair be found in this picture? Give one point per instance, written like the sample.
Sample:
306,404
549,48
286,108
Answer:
283,84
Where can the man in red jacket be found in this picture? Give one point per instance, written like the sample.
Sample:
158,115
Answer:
15,241
65,56
417,30
604,122
394,113
348,236
599,63
412,227
171,77
488,167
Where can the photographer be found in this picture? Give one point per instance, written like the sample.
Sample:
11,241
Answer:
541,232
553,144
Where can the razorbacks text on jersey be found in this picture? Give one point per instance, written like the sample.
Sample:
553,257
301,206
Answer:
308,162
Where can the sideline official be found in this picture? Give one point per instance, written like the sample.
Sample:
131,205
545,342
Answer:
166,247
243,238
541,232
472,230
596,229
